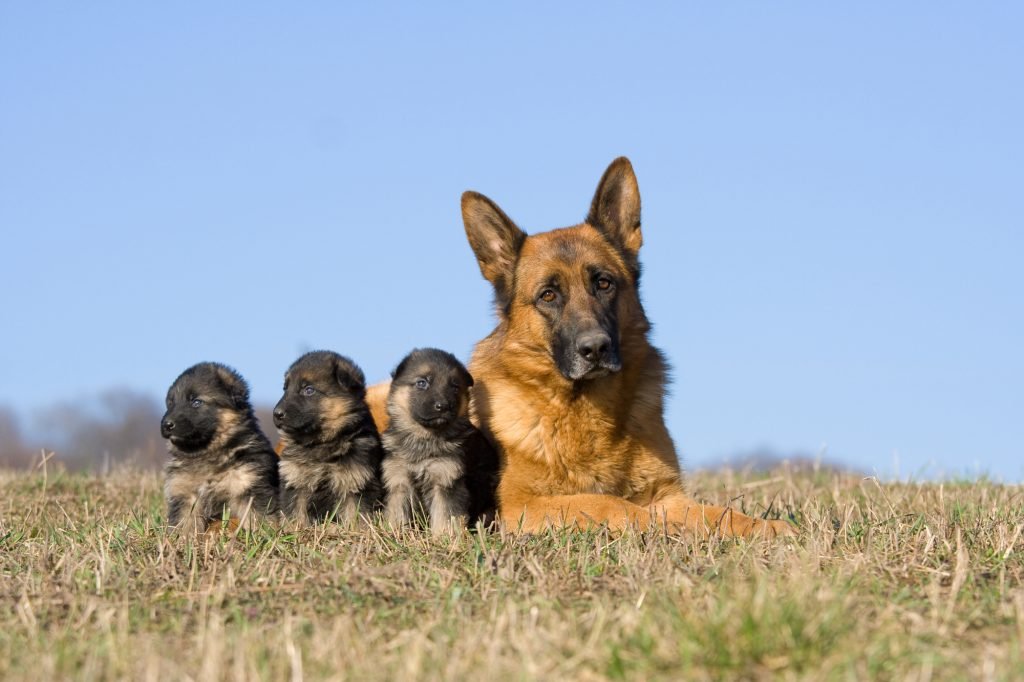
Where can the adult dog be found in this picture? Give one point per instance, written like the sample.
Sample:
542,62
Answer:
568,386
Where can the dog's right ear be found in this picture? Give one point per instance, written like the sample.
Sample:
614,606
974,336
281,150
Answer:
400,369
495,240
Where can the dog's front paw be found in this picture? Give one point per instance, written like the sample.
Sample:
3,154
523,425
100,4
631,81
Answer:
774,528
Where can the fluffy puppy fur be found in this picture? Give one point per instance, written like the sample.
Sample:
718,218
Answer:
221,462
436,462
331,451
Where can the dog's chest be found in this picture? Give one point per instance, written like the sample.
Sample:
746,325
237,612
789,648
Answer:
342,479
437,472
582,450
206,482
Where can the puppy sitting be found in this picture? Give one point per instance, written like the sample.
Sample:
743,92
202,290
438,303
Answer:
432,451
221,462
330,459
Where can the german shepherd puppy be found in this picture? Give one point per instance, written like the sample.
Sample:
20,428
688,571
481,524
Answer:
330,448
568,387
221,462
435,461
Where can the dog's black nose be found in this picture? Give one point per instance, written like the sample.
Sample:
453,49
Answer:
166,426
442,406
278,416
593,346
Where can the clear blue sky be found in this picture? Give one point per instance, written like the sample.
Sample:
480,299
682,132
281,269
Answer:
833,200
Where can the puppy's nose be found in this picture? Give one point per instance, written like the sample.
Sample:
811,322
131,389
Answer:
593,346
278,416
442,406
166,426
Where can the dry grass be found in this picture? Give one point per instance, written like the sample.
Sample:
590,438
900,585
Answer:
886,582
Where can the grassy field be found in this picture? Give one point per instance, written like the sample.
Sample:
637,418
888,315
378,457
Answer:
886,582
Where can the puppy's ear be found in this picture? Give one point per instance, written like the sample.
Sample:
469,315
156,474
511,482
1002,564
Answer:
615,211
234,385
397,371
350,377
467,377
495,241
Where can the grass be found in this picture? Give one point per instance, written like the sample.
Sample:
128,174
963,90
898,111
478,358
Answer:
887,581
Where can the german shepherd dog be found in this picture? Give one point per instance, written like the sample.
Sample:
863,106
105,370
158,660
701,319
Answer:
568,386
436,462
330,449
221,462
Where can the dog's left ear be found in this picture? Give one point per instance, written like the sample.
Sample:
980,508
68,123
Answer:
350,377
467,377
235,385
615,211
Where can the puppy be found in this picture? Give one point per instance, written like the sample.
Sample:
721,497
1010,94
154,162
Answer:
221,462
331,452
433,454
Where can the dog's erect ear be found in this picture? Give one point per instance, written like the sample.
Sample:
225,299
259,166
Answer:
615,211
468,378
495,240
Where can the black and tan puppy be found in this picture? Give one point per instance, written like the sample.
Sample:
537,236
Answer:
331,454
436,462
221,462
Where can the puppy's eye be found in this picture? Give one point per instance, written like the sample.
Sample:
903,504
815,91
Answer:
422,384
308,390
197,403
548,295
604,284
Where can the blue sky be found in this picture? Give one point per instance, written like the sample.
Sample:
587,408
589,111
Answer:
833,200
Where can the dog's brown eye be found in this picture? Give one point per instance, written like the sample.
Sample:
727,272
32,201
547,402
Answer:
548,296
604,284
308,390
197,403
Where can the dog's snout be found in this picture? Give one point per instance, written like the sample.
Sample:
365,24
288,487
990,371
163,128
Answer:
442,406
278,416
166,427
594,346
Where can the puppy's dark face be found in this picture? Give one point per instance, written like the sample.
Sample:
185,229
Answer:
432,387
206,401
322,394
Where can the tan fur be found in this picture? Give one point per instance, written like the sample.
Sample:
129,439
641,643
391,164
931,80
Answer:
344,481
228,421
399,476
337,413
377,400
402,473
398,412
197,484
587,452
